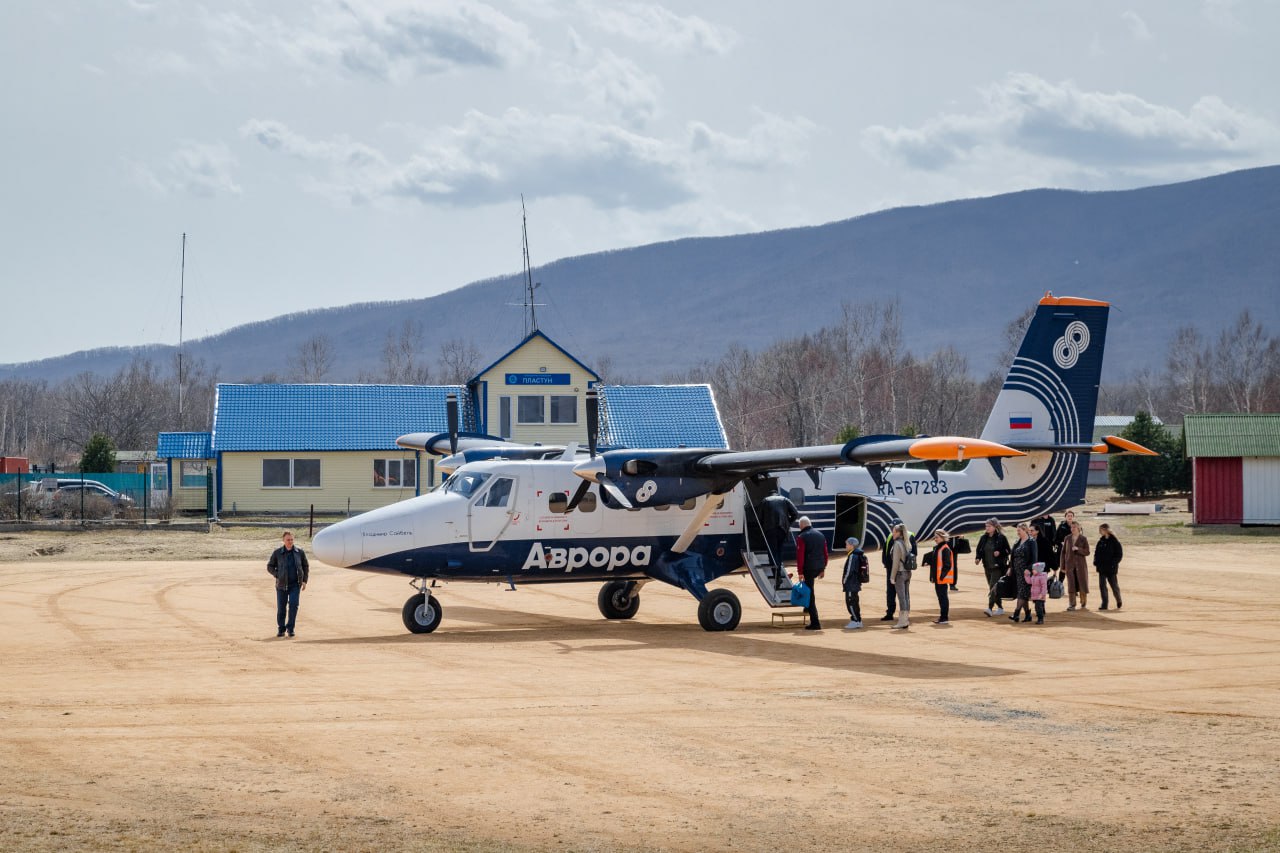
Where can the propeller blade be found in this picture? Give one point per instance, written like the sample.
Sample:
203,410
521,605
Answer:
593,420
614,492
578,496
451,408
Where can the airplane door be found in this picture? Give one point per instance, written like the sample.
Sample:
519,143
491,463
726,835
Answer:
490,512
851,519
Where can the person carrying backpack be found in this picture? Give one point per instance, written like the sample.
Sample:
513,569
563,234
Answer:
886,559
856,573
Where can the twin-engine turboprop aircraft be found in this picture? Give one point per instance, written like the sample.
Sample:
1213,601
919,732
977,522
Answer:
620,517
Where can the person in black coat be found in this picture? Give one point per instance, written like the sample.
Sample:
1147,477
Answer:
1048,535
855,566
811,562
777,513
1107,554
291,569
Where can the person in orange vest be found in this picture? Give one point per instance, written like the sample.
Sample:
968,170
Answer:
944,573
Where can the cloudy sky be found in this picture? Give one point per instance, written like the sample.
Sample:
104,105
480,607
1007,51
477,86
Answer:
323,152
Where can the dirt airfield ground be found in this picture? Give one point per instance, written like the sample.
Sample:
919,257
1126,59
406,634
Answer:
147,704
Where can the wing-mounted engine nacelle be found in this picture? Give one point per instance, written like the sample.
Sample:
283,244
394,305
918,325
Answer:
636,478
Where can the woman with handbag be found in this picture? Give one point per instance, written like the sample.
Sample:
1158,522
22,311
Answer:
1075,551
1021,560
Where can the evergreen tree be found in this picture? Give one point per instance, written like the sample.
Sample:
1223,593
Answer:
99,456
1143,476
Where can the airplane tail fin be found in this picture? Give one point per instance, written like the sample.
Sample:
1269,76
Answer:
1050,395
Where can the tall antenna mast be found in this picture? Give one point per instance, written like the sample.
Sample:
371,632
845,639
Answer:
531,320
182,296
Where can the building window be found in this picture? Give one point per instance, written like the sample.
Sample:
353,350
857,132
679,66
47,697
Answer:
564,409
531,409
195,474
395,473
291,473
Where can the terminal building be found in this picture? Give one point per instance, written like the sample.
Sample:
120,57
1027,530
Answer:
290,448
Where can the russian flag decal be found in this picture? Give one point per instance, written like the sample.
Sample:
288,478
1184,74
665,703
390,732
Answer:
1019,421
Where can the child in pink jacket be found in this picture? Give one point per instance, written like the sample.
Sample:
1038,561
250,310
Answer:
1039,582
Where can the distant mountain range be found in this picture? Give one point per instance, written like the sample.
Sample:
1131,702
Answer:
1190,253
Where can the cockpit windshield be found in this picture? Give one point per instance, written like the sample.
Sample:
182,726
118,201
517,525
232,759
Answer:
465,483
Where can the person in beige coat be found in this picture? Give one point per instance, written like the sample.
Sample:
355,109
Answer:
900,575
1075,562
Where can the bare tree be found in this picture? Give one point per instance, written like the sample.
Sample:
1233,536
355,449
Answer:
402,356
459,361
1243,355
1189,371
313,360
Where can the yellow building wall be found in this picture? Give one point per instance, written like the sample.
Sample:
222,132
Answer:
344,476
187,499
537,356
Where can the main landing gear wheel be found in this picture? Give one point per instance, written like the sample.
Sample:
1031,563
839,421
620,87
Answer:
422,614
618,600
719,611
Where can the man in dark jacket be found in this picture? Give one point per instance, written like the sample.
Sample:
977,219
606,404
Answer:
811,561
1107,554
289,566
1047,534
777,514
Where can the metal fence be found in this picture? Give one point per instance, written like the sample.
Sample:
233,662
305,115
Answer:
79,497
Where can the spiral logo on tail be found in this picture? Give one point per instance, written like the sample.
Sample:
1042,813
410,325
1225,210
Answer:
1074,341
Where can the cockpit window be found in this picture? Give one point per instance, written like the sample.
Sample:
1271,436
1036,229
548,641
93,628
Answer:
498,493
465,483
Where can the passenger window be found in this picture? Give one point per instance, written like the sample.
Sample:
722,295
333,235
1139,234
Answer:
689,504
588,503
558,502
797,496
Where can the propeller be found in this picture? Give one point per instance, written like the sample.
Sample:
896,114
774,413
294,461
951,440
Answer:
593,427
451,408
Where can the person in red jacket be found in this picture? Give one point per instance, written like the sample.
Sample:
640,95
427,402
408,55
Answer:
811,561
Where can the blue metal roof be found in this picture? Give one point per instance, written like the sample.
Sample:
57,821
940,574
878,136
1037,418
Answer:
184,445
327,417
652,416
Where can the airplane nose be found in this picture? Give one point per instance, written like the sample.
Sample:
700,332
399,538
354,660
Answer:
590,469
330,545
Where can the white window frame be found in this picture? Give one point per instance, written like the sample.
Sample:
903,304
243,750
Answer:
401,465
182,473
292,475
542,409
551,409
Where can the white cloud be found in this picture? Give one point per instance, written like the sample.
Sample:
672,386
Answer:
1137,27
1100,131
612,85
488,159
1221,13
772,142
384,39
199,169
657,26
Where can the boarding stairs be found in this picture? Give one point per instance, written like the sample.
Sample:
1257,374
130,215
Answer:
776,595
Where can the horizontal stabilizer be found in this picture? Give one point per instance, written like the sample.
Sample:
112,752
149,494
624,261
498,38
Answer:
1111,445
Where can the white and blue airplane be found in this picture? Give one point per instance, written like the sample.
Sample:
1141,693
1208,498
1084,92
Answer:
532,514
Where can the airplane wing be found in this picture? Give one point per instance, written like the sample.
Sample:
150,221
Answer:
660,477
437,444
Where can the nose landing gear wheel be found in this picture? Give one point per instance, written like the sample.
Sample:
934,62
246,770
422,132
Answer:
618,600
719,611
421,614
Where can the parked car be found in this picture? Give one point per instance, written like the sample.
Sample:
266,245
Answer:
66,491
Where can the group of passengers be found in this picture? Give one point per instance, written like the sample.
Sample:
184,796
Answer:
1030,570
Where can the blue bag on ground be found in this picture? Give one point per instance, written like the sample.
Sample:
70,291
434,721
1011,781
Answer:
800,594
